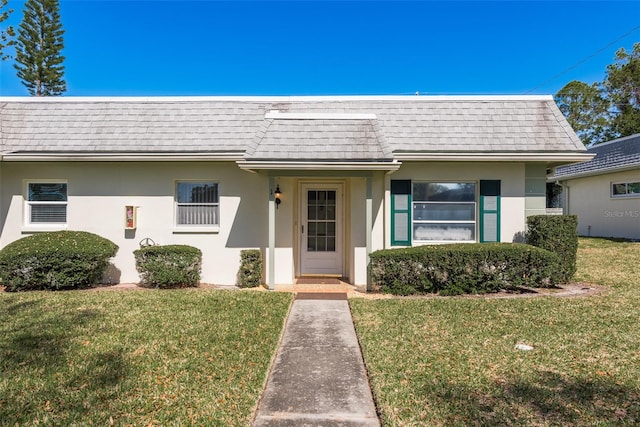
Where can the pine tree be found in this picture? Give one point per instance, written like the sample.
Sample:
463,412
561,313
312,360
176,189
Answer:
38,48
6,36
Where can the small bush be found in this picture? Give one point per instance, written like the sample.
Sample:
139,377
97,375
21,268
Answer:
558,234
250,272
462,268
55,260
169,266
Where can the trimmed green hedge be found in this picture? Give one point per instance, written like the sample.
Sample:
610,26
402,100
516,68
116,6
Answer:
462,268
250,271
558,234
169,266
55,260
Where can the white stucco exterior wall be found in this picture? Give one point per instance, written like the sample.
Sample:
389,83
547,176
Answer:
99,191
357,248
598,213
511,175
286,224
535,189
287,245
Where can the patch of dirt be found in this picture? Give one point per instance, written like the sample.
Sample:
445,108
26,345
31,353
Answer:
577,289
134,286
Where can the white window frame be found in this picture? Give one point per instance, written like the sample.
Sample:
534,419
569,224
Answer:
627,194
417,241
29,203
196,228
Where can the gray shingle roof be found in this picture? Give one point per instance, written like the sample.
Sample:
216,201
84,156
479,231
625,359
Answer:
613,155
198,125
319,139
117,126
479,125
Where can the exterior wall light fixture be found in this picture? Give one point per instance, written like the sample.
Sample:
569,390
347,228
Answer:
278,193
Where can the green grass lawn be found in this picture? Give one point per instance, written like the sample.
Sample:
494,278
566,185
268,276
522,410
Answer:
185,357
444,362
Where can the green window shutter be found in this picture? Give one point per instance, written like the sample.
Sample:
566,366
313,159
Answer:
490,211
400,212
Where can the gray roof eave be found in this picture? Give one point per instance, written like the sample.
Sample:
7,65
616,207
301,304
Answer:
562,157
253,166
594,172
121,156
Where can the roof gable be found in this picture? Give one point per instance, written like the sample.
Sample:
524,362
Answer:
320,137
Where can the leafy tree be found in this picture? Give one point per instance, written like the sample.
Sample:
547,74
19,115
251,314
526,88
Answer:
587,111
6,36
38,49
611,109
622,84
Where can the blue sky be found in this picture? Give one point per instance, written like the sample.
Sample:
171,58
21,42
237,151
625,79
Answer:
151,48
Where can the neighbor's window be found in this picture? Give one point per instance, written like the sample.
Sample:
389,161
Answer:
444,211
197,204
46,203
625,189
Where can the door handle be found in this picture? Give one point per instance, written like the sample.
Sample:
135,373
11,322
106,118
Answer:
302,229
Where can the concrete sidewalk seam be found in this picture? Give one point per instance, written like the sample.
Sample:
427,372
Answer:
272,362
312,382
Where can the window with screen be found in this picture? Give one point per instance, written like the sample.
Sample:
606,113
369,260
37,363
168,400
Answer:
444,212
197,204
46,203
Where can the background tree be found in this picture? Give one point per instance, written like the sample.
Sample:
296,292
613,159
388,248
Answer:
38,48
586,110
6,36
623,88
611,109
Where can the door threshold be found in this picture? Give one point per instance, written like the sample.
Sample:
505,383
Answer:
320,280
306,275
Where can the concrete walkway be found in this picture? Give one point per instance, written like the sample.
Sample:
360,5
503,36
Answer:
318,377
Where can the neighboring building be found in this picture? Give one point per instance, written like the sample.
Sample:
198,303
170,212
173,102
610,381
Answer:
352,174
605,192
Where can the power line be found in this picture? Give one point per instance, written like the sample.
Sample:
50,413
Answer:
577,64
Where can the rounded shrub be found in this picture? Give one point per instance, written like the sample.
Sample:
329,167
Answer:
55,260
169,266
558,234
462,268
250,271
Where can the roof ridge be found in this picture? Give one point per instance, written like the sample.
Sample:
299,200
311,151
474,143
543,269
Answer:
257,137
617,140
381,138
276,98
564,124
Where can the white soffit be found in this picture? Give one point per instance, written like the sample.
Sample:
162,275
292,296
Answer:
319,166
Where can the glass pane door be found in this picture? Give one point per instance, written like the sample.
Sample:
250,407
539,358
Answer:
321,220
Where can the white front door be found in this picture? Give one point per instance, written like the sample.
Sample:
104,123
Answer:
321,229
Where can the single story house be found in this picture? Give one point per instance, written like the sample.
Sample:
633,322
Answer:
605,191
317,183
